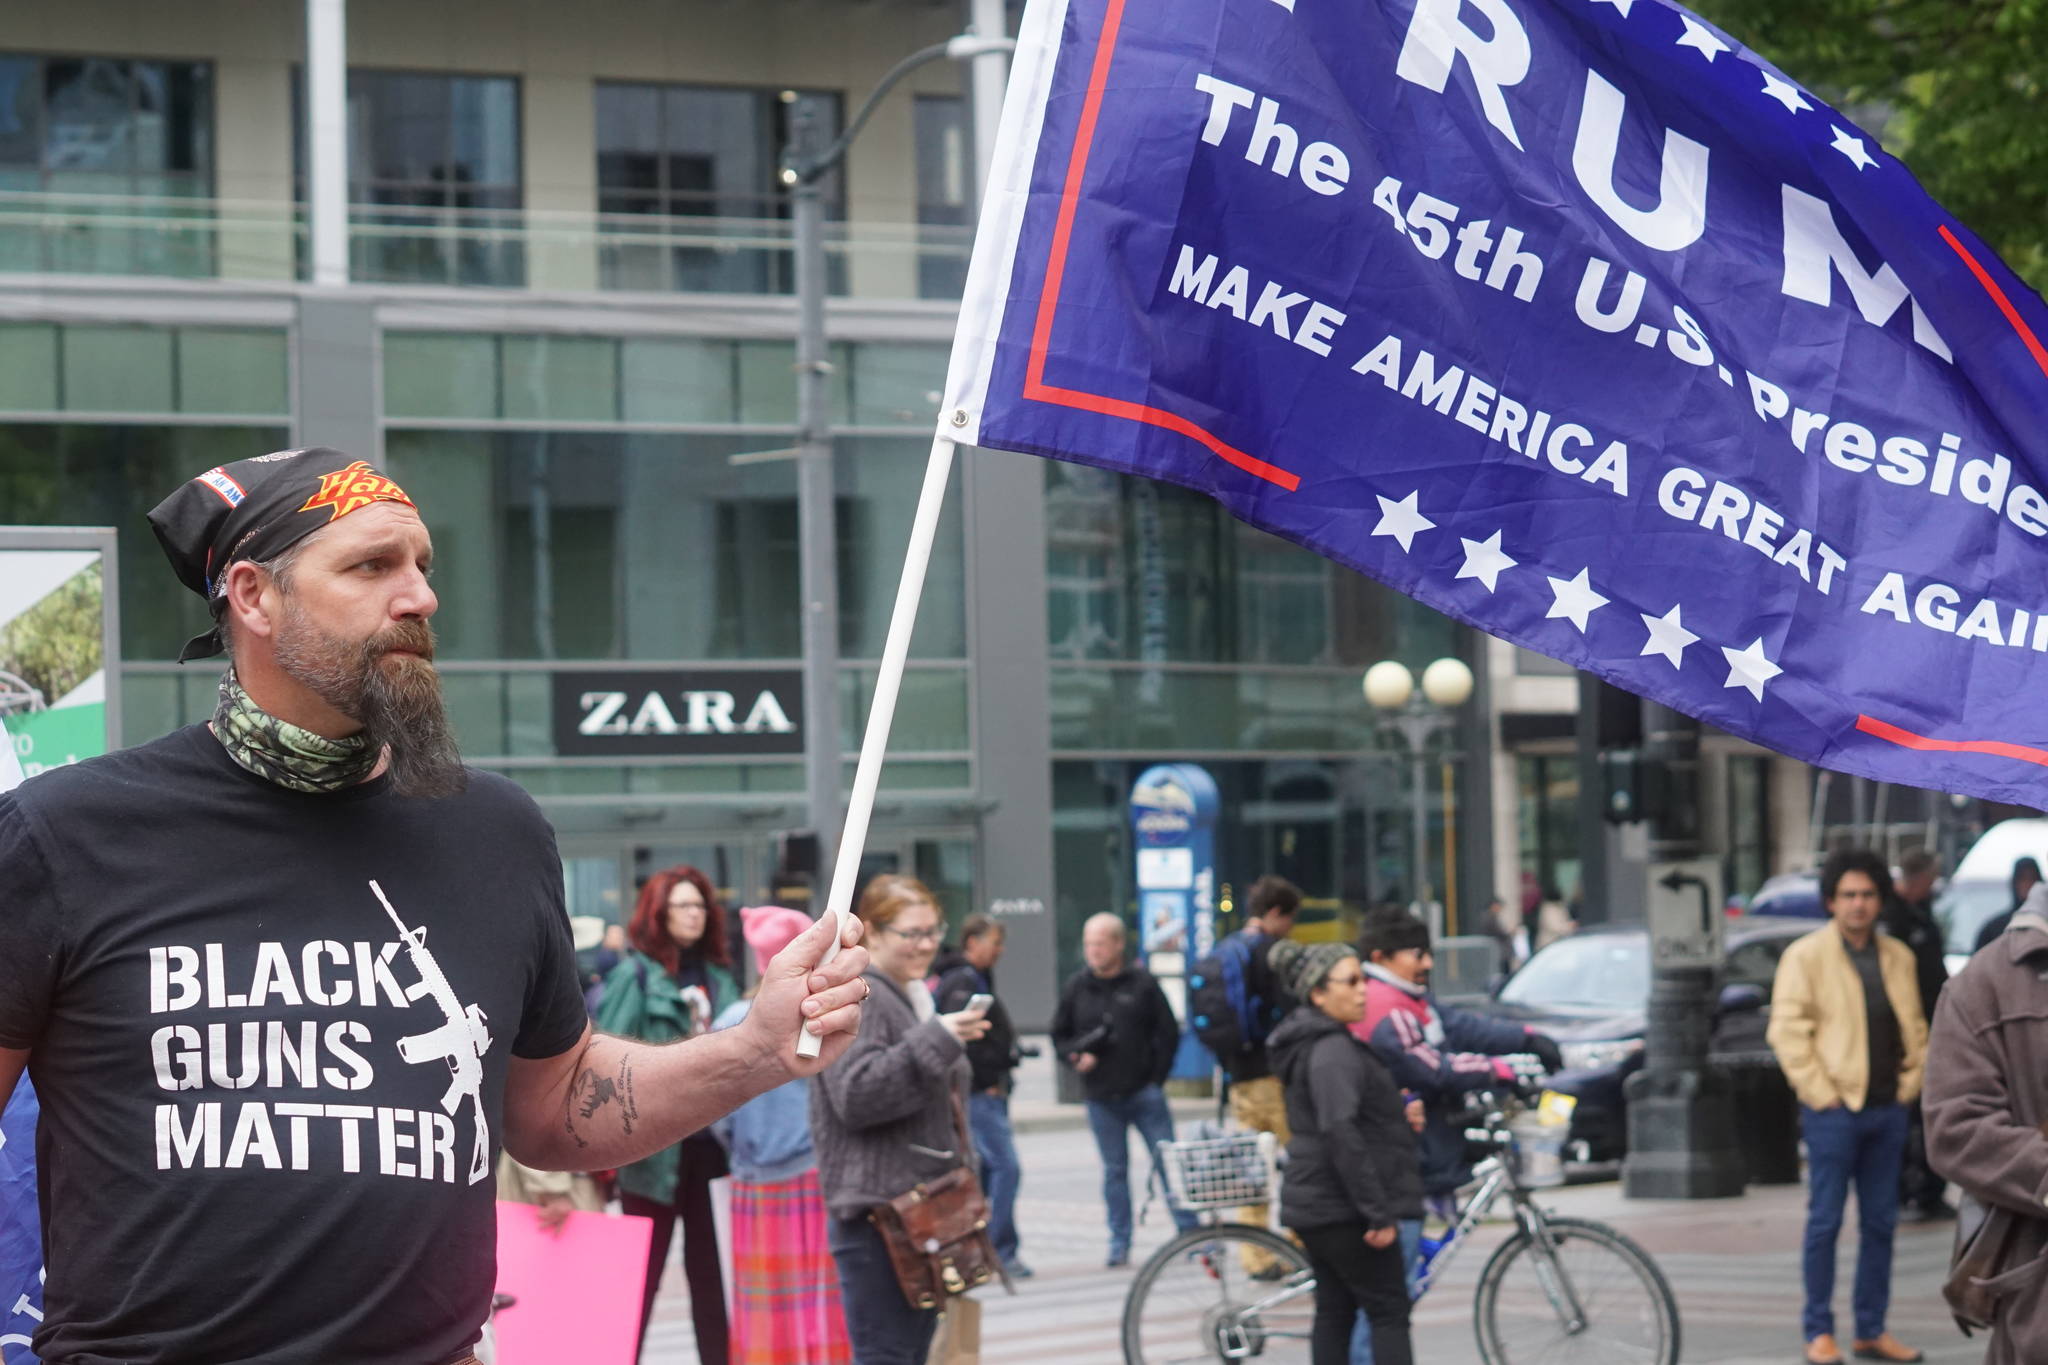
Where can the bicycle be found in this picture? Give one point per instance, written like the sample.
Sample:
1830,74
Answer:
1558,1288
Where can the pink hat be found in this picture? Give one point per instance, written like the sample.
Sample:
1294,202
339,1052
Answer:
769,929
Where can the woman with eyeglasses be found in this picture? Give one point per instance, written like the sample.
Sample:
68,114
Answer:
882,1117
673,983
1352,1174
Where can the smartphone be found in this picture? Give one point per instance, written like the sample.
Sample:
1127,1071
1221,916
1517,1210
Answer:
979,1003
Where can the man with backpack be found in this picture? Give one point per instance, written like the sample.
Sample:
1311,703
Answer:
1234,1001
993,1057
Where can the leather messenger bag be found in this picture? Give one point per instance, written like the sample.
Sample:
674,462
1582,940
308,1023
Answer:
937,1233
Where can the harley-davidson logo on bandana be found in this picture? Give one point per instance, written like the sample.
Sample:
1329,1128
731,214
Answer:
345,490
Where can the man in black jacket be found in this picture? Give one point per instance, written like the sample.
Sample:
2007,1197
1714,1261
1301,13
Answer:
1114,1027
993,1057
1908,916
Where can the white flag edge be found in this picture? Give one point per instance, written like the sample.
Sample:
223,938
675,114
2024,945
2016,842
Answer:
1001,222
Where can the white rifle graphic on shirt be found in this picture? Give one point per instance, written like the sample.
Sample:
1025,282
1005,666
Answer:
461,1041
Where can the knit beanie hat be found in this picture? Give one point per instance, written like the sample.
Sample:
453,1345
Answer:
1302,967
769,929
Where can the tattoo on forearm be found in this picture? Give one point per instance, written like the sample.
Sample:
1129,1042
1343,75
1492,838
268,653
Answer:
592,1092
629,1108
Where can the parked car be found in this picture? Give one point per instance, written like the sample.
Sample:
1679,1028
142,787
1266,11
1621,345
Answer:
1998,848
1962,910
1792,894
1591,993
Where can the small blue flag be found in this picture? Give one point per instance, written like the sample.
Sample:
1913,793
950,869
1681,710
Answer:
1574,319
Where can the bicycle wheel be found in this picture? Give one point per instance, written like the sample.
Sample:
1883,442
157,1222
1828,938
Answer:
1519,1310
1193,1301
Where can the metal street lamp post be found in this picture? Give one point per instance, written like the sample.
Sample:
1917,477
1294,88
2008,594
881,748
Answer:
1417,718
804,166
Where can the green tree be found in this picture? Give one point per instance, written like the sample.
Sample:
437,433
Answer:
55,645
1954,88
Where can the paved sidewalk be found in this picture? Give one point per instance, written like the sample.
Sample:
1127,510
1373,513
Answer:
1734,1265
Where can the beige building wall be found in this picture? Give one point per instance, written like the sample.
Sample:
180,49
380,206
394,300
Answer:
1791,796
558,52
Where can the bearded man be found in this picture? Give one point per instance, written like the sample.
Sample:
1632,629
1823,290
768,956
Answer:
288,981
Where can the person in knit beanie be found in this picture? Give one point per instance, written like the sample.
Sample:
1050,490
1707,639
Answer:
1353,1182
1303,967
786,1304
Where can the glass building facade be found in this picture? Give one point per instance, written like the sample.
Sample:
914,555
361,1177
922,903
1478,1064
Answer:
567,334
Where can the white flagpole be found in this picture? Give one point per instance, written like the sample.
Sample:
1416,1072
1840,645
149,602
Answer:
860,803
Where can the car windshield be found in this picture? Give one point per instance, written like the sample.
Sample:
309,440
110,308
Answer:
1590,972
1963,909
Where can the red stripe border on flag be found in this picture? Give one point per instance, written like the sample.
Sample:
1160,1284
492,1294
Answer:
1906,739
2012,314
1035,387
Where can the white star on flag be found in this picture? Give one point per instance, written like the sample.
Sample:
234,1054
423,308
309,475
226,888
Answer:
1484,560
1667,636
1402,520
1785,93
1749,668
1852,147
1621,5
1700,37
1575,600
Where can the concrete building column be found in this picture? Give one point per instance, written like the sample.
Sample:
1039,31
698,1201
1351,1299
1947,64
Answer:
1791,815
1498,666
559,127
253,169
338,380
1012,717
327,139
1477,737
881,179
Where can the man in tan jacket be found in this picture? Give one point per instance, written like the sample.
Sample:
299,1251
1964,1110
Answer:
1848,1029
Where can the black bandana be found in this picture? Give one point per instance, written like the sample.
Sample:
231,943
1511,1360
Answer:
257,509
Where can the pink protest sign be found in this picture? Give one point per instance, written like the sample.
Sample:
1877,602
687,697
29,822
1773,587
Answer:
578,1293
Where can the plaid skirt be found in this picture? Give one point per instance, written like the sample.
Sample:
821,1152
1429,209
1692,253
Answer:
786,1308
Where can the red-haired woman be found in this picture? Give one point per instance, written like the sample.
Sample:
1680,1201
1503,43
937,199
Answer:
673,983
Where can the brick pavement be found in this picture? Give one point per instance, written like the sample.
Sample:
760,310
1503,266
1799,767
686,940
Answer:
1734,1265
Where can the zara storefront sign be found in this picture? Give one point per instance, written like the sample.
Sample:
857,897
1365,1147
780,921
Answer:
694,713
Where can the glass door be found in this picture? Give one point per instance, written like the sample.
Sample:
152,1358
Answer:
943,861
591,877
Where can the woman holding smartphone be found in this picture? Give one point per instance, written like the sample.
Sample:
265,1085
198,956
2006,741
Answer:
883,1117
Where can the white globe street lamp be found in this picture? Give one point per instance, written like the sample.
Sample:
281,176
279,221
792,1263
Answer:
1390,688
1447,682
1388,685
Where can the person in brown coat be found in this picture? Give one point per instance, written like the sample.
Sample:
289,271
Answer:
1986,1105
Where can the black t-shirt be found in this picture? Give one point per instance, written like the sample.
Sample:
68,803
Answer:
270,1115
1887,1046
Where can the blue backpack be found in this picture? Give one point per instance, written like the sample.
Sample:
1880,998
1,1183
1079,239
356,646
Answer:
1227,1014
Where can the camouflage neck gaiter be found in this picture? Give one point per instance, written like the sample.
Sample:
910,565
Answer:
281,752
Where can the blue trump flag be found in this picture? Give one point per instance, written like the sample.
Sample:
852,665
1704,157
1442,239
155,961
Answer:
21,1240
1573,319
